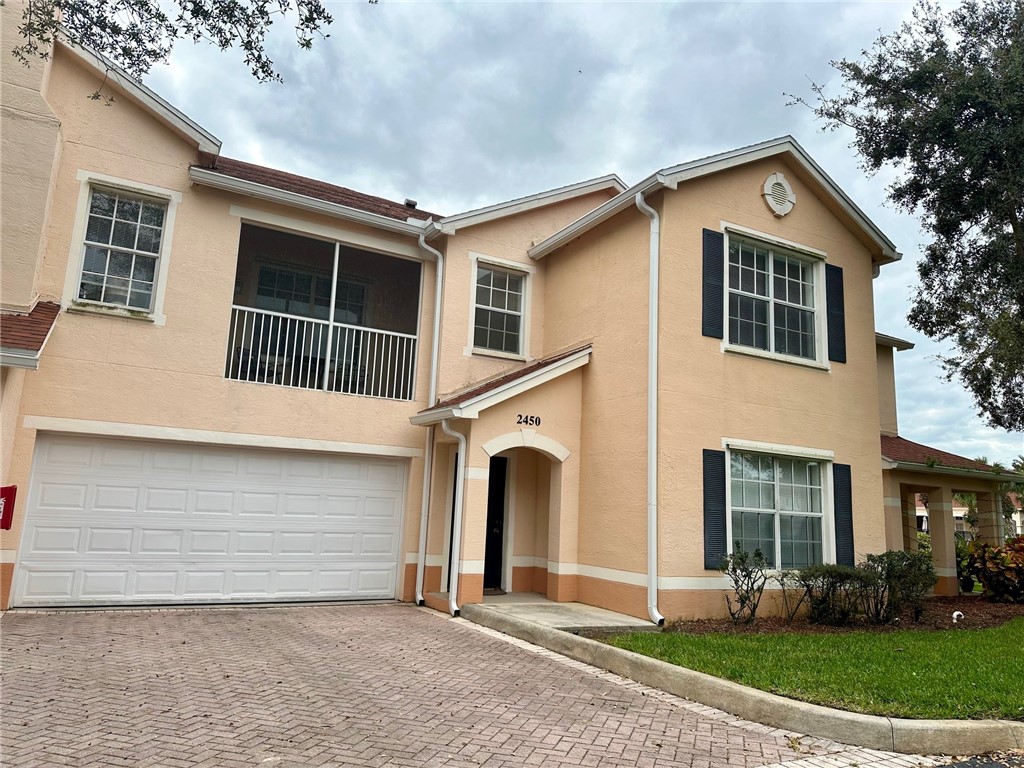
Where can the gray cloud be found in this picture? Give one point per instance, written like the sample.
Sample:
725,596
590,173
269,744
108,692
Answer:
464,104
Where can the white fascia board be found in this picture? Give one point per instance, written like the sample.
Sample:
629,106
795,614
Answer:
211,178
671,177
472,408
11,357
773,147
885,340
938,469
616,205
167,112
450,224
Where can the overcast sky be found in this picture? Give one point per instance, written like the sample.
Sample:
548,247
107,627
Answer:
460,105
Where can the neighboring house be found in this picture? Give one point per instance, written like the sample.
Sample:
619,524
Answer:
261,387
960,524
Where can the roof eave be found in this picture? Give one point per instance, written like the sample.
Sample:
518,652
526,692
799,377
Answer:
471,408
211,178
12,357
714,164
450,224
939,469
177,120
885,340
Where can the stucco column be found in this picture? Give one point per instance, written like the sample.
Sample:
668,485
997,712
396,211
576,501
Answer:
940,523
908,516
563,530
990,518
474,528
893,507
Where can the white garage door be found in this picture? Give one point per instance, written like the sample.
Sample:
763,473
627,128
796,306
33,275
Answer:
114,521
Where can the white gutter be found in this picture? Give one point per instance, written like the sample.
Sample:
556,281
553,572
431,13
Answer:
652,410
19,358
428,449
456,556
211,178
939,469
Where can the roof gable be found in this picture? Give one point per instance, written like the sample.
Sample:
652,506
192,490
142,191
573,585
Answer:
673,176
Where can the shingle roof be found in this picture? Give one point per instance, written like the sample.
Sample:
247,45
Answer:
896,448
501,379
28,331
320,190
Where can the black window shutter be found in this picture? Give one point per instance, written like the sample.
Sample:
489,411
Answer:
715,545
714,284
843,491
836,308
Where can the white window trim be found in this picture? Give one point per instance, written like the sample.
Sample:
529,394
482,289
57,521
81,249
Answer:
528,271
817,259
775,450
73,276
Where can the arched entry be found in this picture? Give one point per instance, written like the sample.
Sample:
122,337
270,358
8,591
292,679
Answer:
524,484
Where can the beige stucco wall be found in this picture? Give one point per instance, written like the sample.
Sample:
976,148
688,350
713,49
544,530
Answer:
29,152
116,369
507,239
886,390
11,384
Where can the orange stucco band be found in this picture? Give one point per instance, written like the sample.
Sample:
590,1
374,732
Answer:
947,586
431,581
562,588
530,579
6,574
612,595
471,588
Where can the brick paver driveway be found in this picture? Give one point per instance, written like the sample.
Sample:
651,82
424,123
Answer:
362,685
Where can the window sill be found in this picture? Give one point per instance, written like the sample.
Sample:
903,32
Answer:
478,352
111,311
754,352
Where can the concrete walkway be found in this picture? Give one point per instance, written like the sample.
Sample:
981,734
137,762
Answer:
384,685
565,616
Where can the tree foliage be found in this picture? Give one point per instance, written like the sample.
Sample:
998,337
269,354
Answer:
942,100
136,34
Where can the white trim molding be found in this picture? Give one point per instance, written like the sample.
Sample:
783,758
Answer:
527,438
202,436
73,274
778,449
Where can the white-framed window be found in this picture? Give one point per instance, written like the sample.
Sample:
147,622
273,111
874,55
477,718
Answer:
120,249
499,309
777,504
308,294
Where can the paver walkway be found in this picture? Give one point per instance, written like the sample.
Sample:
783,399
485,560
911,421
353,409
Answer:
383,685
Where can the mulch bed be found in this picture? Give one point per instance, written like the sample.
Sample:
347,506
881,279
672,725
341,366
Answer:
978,613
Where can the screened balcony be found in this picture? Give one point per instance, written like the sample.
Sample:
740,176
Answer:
313,314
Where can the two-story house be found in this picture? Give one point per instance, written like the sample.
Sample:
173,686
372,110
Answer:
226,383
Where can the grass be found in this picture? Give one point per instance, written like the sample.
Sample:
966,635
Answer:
967,674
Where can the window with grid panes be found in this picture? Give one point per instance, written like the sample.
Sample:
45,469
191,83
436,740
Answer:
498,315
776,506
308,295
122,246
771,299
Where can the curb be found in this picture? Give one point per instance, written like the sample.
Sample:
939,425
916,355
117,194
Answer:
922,737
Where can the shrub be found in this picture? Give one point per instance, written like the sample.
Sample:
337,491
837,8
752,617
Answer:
834,593
893,582
999,569
748,572
792,593
924,542
963,565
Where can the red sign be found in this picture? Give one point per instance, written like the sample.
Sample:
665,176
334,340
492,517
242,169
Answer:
7,494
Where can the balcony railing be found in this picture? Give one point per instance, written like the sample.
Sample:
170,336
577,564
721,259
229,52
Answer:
292,351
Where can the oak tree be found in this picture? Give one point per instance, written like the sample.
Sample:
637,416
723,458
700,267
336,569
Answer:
942,101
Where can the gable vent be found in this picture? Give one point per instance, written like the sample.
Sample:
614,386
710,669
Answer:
778,195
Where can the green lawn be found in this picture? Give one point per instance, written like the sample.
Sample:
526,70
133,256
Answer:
968,674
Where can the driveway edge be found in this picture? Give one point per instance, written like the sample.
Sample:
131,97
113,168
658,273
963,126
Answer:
923,737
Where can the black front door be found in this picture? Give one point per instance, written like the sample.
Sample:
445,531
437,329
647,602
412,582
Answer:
494,545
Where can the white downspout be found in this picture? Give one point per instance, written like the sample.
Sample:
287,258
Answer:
652,411
456,555
428,448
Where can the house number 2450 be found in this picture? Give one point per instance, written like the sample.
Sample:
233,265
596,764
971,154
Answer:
530,421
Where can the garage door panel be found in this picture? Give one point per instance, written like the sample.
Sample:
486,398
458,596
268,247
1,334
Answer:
128,521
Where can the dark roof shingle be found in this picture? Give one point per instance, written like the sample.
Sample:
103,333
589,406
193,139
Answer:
491,384
28,331
899,448
320,190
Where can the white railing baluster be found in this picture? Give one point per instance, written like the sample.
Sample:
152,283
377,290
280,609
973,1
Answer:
320,354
